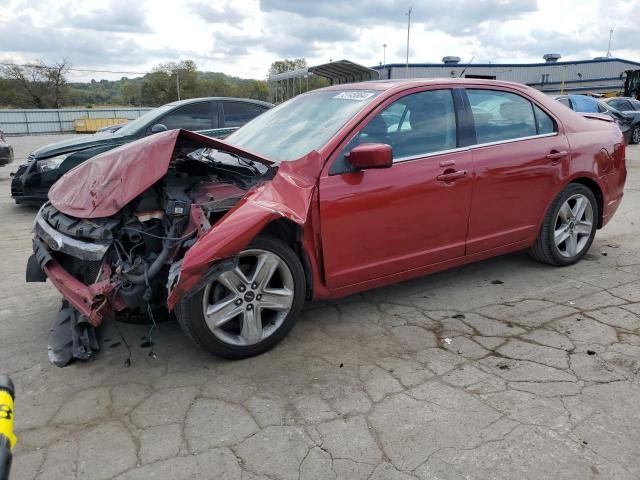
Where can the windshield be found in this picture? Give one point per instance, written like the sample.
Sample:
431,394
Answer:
133,127
300,125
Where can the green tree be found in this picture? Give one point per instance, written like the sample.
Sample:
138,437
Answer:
131,93
37,84
169,82
286,65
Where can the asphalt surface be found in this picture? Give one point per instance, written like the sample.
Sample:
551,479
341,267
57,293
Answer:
503,369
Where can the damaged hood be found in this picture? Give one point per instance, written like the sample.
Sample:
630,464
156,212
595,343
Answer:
103,185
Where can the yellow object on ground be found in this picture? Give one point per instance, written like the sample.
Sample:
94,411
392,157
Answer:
6,417
91,125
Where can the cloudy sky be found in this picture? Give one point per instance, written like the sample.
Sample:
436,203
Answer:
243,37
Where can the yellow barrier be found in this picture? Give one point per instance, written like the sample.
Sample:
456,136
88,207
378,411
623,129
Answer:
91,125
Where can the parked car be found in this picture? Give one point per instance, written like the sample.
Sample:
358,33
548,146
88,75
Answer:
6,151
321,197
215,117
630,107
586,104
623,104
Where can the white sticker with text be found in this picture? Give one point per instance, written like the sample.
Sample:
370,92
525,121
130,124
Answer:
358,96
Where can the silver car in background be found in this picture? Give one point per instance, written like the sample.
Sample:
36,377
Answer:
6,151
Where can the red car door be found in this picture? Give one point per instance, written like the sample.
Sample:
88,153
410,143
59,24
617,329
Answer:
517,162
381,222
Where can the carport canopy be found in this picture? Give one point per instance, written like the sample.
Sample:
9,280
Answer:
344,71
341,71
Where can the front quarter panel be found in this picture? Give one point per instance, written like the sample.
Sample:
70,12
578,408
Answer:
288,195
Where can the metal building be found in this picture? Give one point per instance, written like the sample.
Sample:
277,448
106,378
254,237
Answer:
600,75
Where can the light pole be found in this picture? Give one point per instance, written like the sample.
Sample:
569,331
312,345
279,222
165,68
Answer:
384,58
408,14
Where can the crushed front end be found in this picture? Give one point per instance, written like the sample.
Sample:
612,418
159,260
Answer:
121,254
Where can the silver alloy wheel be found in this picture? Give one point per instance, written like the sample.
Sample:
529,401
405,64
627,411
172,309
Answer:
635,135
574,225
248,304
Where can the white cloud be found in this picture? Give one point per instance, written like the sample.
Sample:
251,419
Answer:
243,37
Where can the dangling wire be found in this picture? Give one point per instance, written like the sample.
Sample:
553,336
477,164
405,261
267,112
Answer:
127,362
152,354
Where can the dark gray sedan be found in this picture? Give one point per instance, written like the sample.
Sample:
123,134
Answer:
6,151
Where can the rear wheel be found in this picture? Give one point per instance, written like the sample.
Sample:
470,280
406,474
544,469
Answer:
635,135
568,228
249,309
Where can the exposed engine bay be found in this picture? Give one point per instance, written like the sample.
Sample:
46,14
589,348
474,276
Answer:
126,262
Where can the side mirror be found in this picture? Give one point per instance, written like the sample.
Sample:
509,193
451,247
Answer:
158,127
371,155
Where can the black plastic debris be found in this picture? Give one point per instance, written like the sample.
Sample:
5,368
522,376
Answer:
71,338
497,282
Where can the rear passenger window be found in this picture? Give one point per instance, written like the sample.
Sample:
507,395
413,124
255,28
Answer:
544,123
501,116
237,114
196,116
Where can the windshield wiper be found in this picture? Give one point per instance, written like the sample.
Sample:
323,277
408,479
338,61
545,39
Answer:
241,160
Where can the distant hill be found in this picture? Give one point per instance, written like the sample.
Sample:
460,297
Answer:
139,92
149,90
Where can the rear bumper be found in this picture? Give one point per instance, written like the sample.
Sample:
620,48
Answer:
611,208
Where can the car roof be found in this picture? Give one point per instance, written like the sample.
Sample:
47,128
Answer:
218,99
419,82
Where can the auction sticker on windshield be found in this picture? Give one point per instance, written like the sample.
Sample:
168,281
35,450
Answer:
359,96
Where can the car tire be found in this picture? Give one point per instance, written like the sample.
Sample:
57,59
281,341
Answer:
635,135
250,308
568,227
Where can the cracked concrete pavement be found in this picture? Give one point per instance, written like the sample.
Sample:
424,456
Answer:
502,369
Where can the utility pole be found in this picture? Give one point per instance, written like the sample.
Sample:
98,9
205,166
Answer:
178,83
408,14
384,54
609,47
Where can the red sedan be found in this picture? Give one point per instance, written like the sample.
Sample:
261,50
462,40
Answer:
336,191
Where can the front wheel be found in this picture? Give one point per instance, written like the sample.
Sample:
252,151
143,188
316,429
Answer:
249,309
635,135
568,228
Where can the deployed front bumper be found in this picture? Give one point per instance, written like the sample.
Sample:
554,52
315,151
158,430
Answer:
96,301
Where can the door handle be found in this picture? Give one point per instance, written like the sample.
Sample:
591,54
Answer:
555,155
452,176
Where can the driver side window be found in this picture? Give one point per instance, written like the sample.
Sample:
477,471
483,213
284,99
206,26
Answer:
415,125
